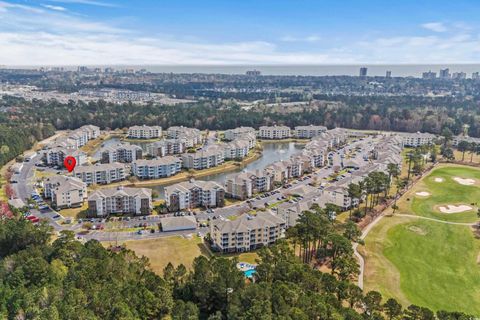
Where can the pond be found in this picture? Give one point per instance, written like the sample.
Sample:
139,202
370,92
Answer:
272,152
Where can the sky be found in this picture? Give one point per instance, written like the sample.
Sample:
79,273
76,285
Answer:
238,32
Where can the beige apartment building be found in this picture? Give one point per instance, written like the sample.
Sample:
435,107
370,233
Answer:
247,232
65,192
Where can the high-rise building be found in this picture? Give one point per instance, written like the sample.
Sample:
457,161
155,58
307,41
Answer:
253,73
429,75
459,75
363,71
388,74
476,75
444,73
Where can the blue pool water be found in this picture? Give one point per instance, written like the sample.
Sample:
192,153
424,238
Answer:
249,273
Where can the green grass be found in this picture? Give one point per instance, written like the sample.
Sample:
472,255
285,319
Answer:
161,251
248,257
428,263
437,264
444,193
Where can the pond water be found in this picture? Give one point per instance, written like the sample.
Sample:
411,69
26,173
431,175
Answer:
272,152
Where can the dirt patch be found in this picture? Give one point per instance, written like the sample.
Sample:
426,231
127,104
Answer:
418,230
465,182
423,194
454,208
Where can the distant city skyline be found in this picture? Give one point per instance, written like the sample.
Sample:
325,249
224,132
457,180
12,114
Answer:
248,32
396,70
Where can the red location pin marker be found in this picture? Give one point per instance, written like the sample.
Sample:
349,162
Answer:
69,163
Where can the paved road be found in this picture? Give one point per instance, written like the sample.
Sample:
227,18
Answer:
358,255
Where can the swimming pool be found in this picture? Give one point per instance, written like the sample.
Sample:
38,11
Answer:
249,273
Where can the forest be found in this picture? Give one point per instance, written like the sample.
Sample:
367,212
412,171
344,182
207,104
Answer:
23,122
67,279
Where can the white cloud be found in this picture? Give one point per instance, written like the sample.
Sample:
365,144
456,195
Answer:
40,36
435,26
87,2
56,8
310,38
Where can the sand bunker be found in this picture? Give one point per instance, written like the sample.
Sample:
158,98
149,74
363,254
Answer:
417,230
439,179
454,209
423,194
465,182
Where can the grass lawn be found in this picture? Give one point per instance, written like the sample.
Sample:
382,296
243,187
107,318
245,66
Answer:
425,263
74,212
428,263
43,174
249,257
444,193
468,156
177,250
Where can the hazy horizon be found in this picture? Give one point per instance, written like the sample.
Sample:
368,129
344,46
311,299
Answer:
399,70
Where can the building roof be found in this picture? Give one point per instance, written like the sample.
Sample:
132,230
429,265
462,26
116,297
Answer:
100,167
167,160
120,192
246,222
188,185
126,146
144,127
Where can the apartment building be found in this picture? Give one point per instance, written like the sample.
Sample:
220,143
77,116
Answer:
262,181
120,200
167,147
274,132
92,131
144,132
102,173
210,156
244,185
233,134
64,192
247,232
291,212
296,167
417,139
157,168
237,149
334,137
251,138
191,136
82,135
317,156
307,162
122,152
338,195
457,139
239,186
308,132
279,171
57,155
192,194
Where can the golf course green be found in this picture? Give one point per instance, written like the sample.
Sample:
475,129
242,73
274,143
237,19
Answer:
425,262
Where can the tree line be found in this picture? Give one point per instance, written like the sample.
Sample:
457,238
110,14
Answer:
24,122
66,279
